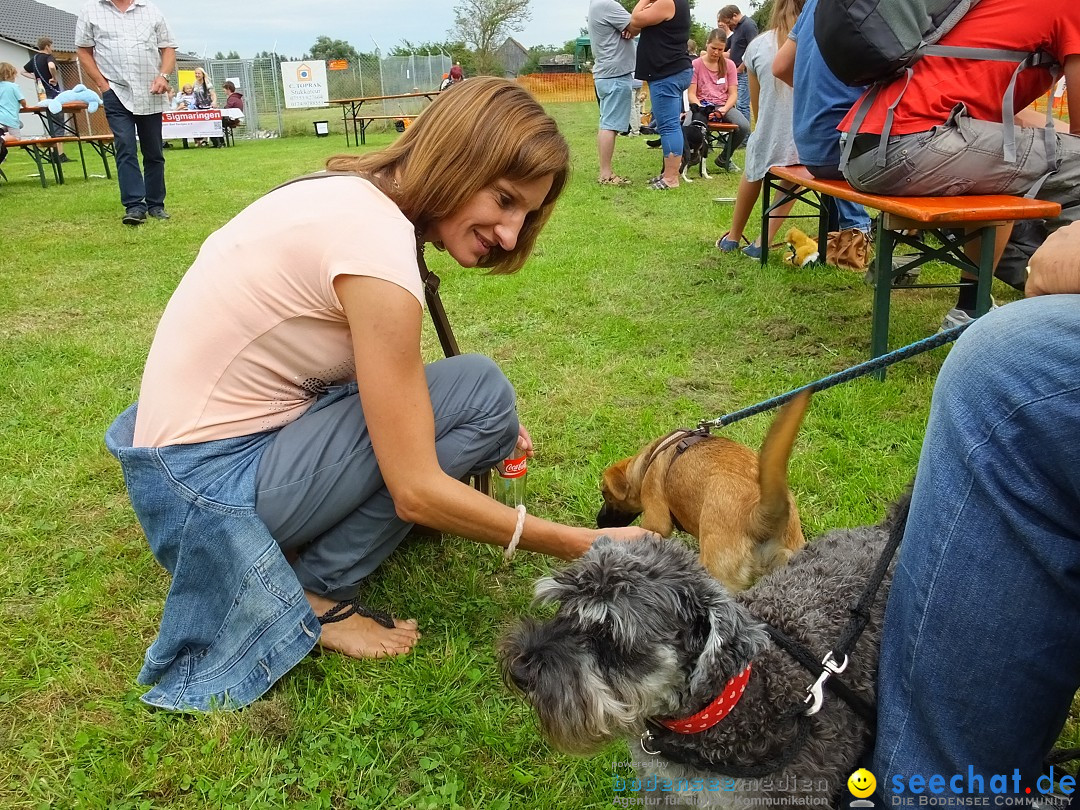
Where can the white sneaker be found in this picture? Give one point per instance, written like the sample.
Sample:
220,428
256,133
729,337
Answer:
957,317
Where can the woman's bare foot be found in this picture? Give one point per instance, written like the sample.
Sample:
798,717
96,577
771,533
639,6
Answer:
361,637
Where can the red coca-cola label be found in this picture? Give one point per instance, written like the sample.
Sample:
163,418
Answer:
514,467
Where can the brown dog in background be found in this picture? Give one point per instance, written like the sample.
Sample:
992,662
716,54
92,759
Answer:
734,501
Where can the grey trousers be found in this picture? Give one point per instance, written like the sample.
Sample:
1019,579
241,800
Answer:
966,156
319,489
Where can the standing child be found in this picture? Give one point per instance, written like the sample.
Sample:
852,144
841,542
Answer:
11,101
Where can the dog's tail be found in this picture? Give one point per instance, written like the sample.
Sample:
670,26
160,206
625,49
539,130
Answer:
774,509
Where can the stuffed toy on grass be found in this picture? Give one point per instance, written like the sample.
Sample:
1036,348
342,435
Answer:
802,249
79,92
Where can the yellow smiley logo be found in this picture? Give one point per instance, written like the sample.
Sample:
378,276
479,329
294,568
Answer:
861,783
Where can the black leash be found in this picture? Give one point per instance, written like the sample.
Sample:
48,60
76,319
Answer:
860,617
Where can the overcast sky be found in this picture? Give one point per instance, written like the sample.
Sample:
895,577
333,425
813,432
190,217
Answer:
250,26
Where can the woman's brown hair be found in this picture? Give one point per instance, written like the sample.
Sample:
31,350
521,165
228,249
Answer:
473,134
716,35
783,17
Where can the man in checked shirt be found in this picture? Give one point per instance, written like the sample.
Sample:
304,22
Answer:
126,49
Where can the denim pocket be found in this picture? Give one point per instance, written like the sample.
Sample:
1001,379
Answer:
263,597
890,178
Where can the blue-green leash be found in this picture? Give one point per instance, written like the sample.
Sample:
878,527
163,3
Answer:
867,367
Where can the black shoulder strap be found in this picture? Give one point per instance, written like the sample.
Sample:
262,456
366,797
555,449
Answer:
431,296
430,280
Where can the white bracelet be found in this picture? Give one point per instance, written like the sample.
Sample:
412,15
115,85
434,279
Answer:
510,549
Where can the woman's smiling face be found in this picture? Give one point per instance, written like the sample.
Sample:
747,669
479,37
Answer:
491,218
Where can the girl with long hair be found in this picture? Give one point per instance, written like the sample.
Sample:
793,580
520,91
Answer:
772,144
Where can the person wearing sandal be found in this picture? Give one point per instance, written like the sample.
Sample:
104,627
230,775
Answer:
773,143
288,434
611,36
663,62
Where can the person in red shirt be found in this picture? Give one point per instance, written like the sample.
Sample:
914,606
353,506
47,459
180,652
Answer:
947,137
235,99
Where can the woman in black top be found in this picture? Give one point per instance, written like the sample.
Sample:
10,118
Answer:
663,62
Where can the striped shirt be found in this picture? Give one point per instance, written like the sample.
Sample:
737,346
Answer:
127,49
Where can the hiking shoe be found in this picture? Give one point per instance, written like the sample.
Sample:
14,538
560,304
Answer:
158,213
134,216
725,245
958,317
753,251
731,166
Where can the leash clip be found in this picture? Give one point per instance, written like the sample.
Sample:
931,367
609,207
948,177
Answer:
647,740
815,692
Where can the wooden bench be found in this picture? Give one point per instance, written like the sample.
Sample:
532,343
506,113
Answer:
364,121
352,110
719,132
978,216
103,145
43,151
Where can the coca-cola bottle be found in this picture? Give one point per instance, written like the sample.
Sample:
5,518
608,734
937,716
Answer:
508,483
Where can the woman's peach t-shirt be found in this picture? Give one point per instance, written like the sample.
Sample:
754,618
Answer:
254,332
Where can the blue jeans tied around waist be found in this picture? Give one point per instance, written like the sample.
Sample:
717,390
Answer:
216,515
235,619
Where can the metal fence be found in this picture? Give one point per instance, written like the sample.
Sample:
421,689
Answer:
259,80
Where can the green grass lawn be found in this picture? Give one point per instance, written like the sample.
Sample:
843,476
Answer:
625,324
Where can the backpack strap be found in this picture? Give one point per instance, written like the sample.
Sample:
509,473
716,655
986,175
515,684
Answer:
1025,60
431,281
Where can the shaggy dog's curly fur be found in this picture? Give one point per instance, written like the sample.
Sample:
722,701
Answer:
642,632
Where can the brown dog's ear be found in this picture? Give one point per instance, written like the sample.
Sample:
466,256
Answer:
615,481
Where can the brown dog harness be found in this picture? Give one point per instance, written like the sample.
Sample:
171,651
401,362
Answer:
683,439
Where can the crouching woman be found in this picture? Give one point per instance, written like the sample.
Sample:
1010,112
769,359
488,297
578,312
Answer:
288,433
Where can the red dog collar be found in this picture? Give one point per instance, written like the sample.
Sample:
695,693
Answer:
715,711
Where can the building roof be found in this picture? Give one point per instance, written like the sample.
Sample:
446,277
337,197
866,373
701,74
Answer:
511,43
25,21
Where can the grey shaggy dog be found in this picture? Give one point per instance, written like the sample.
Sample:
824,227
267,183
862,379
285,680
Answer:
642,633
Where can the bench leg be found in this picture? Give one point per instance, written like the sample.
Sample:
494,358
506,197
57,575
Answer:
82,160
986,269
883,286
823,228
765,194
103,150
38,157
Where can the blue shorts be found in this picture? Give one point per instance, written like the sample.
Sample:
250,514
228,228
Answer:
614,97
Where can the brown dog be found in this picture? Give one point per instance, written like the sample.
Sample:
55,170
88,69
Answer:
735,502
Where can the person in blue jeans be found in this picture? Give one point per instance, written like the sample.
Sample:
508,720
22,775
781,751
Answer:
128,52
743,31
980,656
663,62
820,102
